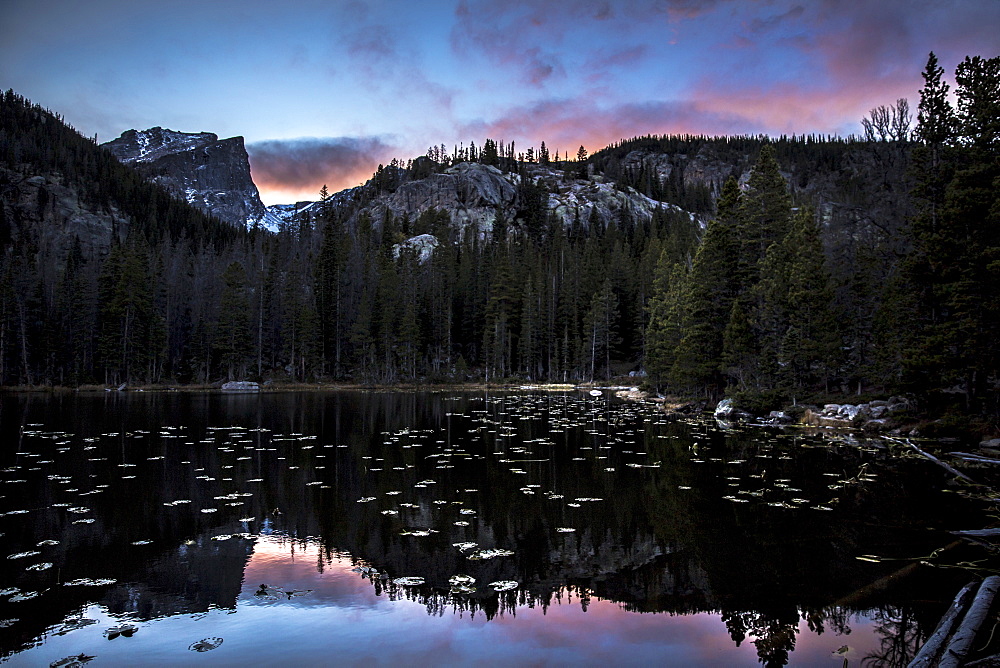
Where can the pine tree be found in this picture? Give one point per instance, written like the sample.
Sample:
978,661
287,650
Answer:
233,341
602,333
129,325
666,318
707,298
739,349
765,209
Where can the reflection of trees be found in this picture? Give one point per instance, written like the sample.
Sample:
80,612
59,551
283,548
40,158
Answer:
645,546
774,635
900,637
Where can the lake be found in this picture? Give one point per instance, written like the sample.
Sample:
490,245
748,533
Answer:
452,528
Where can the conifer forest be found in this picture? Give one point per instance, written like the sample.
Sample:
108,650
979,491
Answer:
758,288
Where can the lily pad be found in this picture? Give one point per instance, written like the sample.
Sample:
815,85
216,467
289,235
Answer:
23,596
90,582
126,630
44,566
410,581
72,661
489,554
205,644
75,624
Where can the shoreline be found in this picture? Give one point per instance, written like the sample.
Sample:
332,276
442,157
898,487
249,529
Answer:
312,387
817,417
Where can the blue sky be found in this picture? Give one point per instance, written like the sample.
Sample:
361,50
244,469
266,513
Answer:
324,91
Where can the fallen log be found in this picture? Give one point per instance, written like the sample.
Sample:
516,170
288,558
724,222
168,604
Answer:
970,457
947,467
961,641
859,597
978,533
927,656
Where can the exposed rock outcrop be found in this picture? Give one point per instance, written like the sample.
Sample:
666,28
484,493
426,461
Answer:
871,416
212,174
54,214
471,193
474,195
422,246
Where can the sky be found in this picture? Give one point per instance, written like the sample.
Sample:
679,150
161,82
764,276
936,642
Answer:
325,91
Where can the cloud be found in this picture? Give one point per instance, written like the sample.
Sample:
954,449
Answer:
304,165
566,124
762,24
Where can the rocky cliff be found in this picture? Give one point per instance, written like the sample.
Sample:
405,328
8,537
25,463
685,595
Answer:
474,195
212,174
53,213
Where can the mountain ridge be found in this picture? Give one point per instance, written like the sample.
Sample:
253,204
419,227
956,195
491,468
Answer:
209,173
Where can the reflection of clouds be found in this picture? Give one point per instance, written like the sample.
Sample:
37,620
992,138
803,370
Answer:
357,625
292,564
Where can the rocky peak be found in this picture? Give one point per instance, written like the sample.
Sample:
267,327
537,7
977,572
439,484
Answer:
210,173
474,194
154,143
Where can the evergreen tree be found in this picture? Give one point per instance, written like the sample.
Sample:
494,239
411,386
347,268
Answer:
232,338
666,318
602,333
739,349
130,328
765,213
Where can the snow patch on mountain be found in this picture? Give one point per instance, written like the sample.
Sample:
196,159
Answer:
210,173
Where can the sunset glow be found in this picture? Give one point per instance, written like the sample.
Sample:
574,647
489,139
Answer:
337,88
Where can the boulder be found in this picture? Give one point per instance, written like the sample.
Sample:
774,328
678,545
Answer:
850,411
422,246
726,410
240,386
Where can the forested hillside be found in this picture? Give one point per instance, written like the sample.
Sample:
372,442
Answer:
895,288
826,265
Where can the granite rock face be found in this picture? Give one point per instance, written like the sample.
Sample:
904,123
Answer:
55,215
210,173
474,195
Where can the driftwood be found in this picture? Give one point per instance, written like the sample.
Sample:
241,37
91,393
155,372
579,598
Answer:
992,661
961,642
947,467
978,533
860,596
978,459
927,655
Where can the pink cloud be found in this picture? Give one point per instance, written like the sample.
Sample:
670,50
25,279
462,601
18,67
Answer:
566,124
302,166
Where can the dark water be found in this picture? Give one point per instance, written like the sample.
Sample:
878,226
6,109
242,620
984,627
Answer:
175,529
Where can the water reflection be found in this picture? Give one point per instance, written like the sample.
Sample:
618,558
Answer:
225,517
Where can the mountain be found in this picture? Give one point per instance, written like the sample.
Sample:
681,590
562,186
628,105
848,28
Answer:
59,190
210,173
469,199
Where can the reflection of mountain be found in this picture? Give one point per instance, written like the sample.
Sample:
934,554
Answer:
647,543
